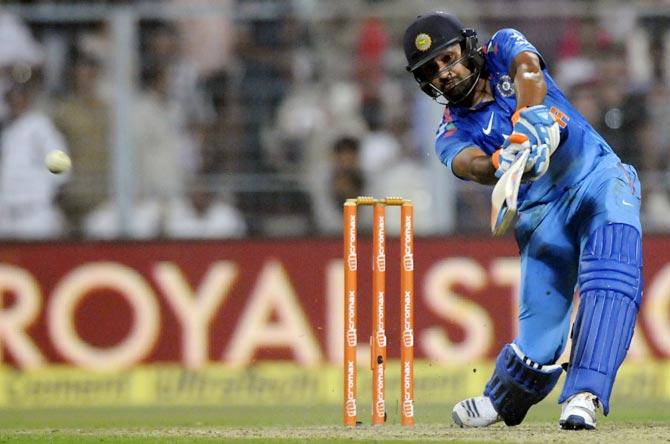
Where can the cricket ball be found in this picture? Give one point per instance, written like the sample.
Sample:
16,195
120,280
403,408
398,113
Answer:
57,162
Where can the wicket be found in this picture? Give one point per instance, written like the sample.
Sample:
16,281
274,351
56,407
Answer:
378,337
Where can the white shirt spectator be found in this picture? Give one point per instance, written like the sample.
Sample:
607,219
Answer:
19,52
408,179
379,150
27,188
159,142
144,221
219,220
17,44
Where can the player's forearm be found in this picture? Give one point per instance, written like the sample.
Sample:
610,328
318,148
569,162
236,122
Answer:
480,170
483,170
531,87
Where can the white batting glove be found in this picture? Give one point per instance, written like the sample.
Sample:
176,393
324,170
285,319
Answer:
509,152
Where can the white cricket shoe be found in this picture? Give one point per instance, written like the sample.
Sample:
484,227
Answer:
579,412
475,412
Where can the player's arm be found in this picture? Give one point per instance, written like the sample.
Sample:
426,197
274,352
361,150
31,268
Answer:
532,120
531,88
473,164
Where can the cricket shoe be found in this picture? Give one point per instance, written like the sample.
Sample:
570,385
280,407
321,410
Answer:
475,412
579,412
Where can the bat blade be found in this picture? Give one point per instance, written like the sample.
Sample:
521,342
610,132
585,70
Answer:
504,196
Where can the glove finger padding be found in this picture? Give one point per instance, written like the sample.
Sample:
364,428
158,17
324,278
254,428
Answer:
538,163
510,152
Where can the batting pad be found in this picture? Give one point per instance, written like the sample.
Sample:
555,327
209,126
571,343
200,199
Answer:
610,287
518,383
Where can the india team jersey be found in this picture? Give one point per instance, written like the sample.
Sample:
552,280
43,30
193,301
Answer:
488,124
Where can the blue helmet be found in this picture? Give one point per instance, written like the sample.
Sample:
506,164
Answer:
429,35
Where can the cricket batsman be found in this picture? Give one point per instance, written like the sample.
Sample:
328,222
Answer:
579,217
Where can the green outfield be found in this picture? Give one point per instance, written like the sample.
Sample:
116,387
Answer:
629,421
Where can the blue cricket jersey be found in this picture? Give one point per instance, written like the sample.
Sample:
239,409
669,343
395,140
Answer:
581,149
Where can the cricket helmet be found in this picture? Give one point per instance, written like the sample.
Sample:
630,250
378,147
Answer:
429,35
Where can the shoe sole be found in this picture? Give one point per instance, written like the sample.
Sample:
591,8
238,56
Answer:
456,419
575,422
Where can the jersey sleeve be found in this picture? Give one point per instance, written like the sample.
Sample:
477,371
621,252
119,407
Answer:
505,45
450,140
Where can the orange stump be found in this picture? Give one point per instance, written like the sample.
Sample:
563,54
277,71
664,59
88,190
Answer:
378,336
350,310
407,314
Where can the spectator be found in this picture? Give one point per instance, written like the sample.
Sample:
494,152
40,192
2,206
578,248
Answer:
27,188
582,40
332,183
372,46
222,148
379,147
144,221
17,45
264,50
299,116
19,53
584,97
83,117
624,119
656,203
160,141
202,214
656,198
183,79
207,40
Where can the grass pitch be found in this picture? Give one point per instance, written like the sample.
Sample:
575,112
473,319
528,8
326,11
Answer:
629,422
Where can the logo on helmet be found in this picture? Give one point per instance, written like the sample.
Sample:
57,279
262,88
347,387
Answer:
423,42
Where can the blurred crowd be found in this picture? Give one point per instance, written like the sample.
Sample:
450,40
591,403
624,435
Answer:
264,126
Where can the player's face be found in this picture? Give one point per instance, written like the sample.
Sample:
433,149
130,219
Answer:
447,73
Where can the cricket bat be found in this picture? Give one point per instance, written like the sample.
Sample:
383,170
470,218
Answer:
504,196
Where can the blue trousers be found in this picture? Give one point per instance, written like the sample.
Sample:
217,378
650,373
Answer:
551,237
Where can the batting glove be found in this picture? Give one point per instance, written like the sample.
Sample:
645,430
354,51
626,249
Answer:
537,164
537,123
510,151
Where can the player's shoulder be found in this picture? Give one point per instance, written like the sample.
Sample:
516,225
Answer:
506,34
